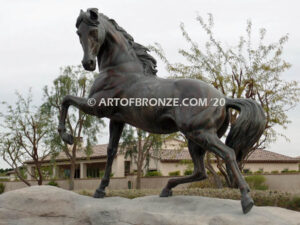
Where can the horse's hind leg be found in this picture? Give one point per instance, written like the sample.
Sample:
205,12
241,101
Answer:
197,154
211,142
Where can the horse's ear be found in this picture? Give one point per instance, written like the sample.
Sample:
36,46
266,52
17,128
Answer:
81,12
93,13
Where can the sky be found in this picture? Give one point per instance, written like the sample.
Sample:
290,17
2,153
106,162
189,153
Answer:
38,37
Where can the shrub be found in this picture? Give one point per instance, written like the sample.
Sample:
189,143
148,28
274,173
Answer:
188,172
257,182
284,170
153,174
53,183
247,171
275,172
102,172
294,203
4,179
174,173
2,188
258,172
207,183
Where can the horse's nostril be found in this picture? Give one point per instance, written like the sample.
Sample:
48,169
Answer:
89,64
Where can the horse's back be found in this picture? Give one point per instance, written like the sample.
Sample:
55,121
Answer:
192,88
206,109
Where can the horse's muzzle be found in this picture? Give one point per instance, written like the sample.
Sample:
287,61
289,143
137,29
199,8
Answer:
89,65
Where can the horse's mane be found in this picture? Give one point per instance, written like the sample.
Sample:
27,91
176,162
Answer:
148,62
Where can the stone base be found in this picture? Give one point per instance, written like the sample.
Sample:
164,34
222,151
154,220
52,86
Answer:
39,205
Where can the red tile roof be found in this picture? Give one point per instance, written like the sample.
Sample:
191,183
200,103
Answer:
173,151
261,155
258,156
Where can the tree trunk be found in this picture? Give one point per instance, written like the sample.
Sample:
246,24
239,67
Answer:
138,176
216,177
72,174
21,178
223,172
139,160
40,175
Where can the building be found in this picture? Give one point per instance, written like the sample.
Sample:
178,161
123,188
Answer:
169,159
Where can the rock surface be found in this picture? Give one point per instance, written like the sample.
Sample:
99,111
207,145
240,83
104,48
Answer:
47,205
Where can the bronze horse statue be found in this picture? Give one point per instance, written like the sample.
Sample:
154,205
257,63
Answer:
126,70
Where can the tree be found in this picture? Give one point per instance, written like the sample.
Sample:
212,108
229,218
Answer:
26,136
138,145
242,71
74,80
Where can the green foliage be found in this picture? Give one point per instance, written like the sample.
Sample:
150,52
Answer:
275,172
53,183
73,80
289,171
293,171
101,174
4,179
25,135
174,173
207,183
256,182
247,172
294,203
2,188
139,146
153,174
258,172
137,143
243,70
4,171
188,172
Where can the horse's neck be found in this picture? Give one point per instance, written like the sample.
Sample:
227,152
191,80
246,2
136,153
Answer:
116,51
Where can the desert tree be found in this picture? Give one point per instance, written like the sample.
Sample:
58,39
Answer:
249,69
25,137
138,146
73,80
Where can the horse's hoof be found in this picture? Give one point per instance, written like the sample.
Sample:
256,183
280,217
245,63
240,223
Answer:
247,204
99,194
166,193
68,138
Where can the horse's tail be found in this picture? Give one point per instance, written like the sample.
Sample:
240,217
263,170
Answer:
248,127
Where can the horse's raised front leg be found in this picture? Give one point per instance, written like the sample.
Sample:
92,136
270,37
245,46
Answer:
197,153
81,104
115,131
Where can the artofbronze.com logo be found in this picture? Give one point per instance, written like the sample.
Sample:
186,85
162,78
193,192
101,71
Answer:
146,102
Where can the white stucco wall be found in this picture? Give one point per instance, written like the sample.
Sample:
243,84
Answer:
269,167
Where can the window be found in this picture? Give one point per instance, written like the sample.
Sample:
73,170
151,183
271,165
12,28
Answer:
127,168
77,173
67,173
93,172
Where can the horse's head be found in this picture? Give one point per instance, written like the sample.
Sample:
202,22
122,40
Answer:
92,35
